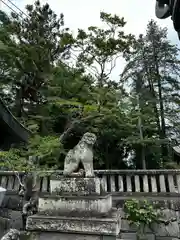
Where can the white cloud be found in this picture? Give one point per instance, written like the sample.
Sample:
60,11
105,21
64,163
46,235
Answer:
83,13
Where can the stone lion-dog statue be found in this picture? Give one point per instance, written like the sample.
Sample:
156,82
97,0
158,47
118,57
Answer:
82,152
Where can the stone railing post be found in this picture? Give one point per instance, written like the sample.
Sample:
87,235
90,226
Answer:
178,182
129,184
104,183
153,184
162,183
137,183
171,183
147,181
114,181
120,183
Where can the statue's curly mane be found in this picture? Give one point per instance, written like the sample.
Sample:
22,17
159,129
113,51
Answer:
89,138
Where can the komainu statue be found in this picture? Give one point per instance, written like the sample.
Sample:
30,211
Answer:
82,152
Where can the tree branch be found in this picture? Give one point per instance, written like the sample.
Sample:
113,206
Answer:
66,133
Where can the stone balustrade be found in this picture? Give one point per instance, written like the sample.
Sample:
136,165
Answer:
114,181
138,181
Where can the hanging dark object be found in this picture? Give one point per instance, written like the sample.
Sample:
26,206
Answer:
167,8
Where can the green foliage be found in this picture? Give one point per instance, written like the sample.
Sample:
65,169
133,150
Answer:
41,39
56,101
141,213
13,160
47,149
152,70
101,47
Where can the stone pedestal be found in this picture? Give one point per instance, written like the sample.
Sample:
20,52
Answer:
86,205
74,186
75,209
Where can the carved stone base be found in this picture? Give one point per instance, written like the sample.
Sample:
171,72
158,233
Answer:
74,208
74,185
80,225
69,205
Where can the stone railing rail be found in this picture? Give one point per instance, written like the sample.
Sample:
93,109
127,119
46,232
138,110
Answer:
114,181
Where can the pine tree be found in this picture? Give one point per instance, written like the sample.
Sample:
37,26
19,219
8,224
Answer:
39,41
157,60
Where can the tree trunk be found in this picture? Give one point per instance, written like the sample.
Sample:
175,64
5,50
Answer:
152,91
161,104
18,103
143,156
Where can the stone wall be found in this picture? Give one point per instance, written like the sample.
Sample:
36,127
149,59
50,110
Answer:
10,213
168,230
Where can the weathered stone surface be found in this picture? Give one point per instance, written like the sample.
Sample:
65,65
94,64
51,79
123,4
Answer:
171,229
168,204
4,212
168,214
126,227
2,194
15,219
129,236
150,236
133,236
106,226
78,185
58,205
166,238
13,234
122,213
175,204
4,225
105,237
11,201
67,236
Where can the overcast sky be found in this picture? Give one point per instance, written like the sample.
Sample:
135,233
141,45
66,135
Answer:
84,13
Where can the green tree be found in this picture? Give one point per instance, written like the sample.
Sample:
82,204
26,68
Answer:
59,103
39,41
6,69
156,59
99,49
